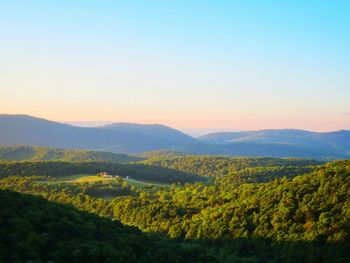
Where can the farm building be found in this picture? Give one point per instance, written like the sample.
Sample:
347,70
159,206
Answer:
106,175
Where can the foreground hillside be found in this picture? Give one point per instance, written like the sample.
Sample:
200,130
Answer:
35,153
305,218
35,230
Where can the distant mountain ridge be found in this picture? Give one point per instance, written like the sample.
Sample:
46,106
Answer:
132,138
291,136
338,139
153,131
118,138
310,144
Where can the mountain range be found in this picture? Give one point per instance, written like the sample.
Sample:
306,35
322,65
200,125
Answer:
139,138
117,138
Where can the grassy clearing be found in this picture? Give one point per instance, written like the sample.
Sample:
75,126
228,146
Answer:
93,178
87,178
76,178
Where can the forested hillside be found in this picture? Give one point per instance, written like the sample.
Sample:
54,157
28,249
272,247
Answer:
302,219
28,224
35,230
309,207
35,153
133,170
251,169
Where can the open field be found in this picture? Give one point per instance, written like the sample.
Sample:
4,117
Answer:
106,188
87,178
76,178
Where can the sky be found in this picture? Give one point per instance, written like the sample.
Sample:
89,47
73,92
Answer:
192,64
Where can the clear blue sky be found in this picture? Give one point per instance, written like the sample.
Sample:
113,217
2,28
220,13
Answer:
188,64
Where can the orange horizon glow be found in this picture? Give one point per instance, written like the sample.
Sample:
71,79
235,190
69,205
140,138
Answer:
239,124
186,65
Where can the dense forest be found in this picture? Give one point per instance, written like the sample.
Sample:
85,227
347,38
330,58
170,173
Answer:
35,230
235,169
291,218
219,166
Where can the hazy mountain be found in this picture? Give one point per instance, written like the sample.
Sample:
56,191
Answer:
35,153
243,149
138,138
120,137
285,142
339,139
198,132
156,132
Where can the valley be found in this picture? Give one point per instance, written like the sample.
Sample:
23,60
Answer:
217,204
175,131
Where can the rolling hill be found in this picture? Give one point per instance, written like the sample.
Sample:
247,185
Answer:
36,153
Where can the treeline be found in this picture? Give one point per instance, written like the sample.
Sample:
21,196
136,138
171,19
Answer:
36,153
236,170
133,170
263,174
